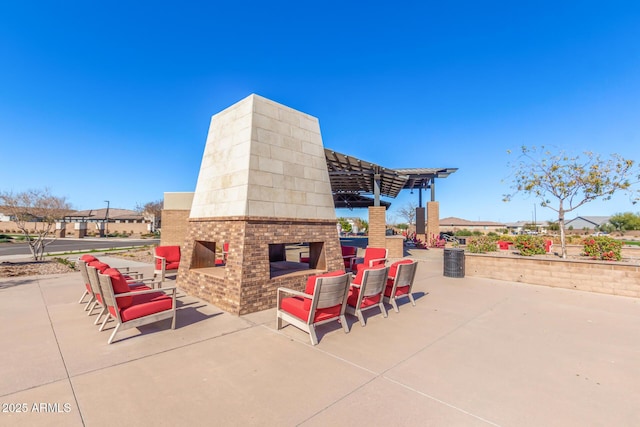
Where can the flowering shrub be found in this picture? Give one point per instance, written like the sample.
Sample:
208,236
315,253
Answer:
482,244
436,242
603,248
529,245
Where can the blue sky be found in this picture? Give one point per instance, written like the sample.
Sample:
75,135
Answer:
112,101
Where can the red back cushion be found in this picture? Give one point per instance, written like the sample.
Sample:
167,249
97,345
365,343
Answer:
393,270
311,285
88,258
171,253
120,286
374,253
100,266
358,279
349,250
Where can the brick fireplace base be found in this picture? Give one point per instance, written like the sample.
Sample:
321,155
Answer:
244,285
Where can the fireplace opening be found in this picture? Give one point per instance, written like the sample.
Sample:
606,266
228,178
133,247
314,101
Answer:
290,258
210,257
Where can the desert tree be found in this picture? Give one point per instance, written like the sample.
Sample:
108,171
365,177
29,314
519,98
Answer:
362,224
625,221
563,182
408,213
35,213
345,225
151,211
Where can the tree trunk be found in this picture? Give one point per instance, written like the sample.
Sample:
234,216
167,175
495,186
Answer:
563,242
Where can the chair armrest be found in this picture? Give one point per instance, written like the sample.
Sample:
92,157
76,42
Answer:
148,291
163,262
294,292
354,261
371,261
156,284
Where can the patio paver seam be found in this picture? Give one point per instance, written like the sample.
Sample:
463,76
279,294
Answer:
64,363
435,399
384,372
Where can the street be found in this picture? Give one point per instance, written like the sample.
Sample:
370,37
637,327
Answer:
68,245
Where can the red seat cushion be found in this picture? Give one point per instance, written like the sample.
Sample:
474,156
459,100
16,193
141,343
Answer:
311,285
88,258
295,306
171,254
146,304
171,266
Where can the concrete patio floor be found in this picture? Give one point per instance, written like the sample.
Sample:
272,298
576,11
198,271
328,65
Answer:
471,352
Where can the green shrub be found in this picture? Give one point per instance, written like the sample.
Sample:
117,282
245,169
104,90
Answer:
529,245
463,233
64,261
481,244
602,248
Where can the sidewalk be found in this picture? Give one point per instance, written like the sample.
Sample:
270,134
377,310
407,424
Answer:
471,352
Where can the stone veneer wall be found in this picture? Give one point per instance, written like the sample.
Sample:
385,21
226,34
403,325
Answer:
594,276
244,288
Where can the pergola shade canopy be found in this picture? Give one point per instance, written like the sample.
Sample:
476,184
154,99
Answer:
351,178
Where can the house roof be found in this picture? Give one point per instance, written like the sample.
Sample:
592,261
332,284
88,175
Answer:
592,220
595,220
114,214
459,222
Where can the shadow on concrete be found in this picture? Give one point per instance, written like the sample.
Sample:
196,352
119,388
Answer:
14,283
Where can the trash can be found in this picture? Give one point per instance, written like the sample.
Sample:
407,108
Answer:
454,262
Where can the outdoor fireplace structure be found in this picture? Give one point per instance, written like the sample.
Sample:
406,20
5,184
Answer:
263,189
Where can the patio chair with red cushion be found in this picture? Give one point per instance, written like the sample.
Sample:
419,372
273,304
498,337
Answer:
323,301
372,257
225,252
348,253
131,309
366,291
92,270
400,282
166,260
81,263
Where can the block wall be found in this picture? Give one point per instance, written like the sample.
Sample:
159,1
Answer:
377,226
433,220
175,224
593,276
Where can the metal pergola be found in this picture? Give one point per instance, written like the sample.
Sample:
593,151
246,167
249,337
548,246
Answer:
352,179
